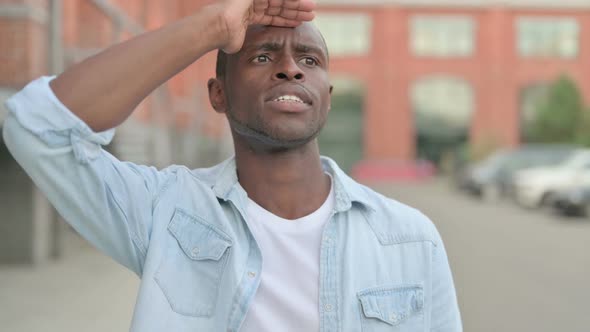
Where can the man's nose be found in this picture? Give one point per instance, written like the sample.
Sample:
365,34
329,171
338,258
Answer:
289,70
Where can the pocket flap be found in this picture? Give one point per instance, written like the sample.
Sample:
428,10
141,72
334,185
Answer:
393,304
198,239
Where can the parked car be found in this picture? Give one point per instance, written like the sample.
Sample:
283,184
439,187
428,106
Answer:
573,201
491,178
538,186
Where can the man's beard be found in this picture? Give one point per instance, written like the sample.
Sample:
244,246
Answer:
262,135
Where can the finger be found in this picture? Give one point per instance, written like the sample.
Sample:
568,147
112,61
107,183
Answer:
291,14
303,5
306,5
278,21
274,11
283,22
260,5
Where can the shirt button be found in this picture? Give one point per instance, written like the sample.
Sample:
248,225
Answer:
195,251
328,307
251,274
393,317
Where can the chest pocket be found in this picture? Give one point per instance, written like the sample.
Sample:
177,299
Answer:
397,308
192,265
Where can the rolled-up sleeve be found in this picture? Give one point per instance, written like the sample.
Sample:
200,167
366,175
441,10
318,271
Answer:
107,201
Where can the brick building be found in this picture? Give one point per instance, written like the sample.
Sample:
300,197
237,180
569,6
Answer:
444,70
475,66
41,37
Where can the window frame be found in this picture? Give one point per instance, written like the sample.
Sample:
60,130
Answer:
361,46
538,52
458,52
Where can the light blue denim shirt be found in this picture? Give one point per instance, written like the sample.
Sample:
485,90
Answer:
383,266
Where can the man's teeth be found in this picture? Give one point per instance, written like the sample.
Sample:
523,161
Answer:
293,99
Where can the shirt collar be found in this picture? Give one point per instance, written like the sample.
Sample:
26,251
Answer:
346,190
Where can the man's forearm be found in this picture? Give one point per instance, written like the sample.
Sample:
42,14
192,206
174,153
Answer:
105,89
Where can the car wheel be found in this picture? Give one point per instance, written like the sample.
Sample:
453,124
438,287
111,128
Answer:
546,200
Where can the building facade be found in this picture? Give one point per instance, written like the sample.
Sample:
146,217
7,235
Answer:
467,64
173,125
452,69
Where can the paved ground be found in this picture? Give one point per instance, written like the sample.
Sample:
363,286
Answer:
83,292
515,271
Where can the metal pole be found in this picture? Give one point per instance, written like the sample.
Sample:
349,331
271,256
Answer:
56,56
56,66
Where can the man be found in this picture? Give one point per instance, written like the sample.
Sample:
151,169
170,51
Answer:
275,239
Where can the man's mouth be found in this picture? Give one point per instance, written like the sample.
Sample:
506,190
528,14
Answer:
289,99
290,103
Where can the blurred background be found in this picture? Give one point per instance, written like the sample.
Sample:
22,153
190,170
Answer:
474,111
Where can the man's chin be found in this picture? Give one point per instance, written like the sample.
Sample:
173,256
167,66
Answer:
282,143
275,139
275,142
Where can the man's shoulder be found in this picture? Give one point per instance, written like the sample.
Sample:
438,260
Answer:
204,174
395,222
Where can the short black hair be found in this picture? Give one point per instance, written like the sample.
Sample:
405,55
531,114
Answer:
221,64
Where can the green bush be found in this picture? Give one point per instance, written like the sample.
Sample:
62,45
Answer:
562,117
583,129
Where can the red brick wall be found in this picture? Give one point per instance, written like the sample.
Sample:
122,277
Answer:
23,44
185,96
495,72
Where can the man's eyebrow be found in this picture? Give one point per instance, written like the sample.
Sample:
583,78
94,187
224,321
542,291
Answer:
275,47
305,48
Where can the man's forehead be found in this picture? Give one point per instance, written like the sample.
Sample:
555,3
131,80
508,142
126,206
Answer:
306,33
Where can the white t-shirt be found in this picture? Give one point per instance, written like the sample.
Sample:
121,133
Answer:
288,295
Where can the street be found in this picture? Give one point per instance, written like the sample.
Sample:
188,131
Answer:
515,271
83,291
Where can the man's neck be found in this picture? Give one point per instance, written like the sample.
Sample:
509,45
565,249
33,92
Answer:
290,184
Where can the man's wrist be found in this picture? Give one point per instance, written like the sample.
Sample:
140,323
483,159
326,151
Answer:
212,26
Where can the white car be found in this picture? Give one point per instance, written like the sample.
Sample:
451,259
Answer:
535,187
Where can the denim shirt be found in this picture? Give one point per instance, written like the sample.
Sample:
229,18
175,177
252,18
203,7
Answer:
383,266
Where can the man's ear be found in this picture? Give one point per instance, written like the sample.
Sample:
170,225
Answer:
217,95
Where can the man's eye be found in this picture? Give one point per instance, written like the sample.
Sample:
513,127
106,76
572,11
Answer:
310,61
261,59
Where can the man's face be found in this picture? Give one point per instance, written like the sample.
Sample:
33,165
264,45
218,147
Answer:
277,90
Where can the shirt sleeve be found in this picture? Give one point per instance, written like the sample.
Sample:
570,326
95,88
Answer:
445,309
107,201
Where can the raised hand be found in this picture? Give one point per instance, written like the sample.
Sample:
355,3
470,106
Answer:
239,14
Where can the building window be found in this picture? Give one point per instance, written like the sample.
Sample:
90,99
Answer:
347,34
442,105
442,36
548,37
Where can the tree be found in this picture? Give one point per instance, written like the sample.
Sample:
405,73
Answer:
583,130
558,119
